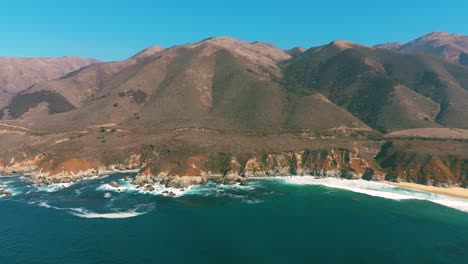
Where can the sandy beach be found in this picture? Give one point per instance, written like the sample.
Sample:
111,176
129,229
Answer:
454,192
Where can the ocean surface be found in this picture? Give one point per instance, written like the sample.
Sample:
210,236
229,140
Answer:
277,220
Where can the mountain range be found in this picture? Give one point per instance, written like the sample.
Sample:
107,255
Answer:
451,47
223,106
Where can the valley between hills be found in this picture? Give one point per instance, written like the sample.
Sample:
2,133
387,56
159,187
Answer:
226,109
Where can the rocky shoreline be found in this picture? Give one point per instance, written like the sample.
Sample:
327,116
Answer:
180,170
146,182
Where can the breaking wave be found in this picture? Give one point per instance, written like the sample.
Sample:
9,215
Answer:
84,213
118,215
157,189
210,189
55,187
378,189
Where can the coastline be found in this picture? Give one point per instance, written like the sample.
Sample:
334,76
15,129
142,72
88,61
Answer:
456,192
44,179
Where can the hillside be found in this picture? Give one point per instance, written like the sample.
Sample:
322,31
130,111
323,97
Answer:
17,74
387,90
219,83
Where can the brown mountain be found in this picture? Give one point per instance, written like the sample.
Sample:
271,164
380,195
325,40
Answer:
220,83
391,45
295,51
223,106
385,89
451,47
17,74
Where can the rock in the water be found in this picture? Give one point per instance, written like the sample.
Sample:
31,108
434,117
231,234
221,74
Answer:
5,193
182,182
114,184
141,180
231,180
148,188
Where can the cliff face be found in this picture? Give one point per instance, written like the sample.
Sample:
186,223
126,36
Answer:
231,168
404,161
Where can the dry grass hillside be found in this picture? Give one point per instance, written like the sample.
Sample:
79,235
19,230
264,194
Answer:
17,74
450,47
220,84
387,90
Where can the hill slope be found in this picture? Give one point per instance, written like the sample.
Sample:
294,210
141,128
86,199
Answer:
451,47
219,83
385,89
17,74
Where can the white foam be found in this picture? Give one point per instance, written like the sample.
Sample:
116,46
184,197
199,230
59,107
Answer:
359,186
13,191
81,212
55,187
461,205
379,190
214,189
209,189
254,201
131,188
46,205
59,186
118,215
108,187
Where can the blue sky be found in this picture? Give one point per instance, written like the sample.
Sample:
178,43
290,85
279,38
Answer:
114,30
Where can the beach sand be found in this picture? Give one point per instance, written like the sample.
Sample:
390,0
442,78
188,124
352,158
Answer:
454,192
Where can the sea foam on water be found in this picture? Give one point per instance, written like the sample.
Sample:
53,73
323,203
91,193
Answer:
378,189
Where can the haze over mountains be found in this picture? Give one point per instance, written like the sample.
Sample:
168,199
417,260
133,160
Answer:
339,94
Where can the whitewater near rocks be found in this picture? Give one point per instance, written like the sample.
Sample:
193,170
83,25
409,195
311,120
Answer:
115,197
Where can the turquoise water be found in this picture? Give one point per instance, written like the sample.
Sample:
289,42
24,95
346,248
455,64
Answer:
273,221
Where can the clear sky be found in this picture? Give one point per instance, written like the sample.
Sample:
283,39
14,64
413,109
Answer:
114,30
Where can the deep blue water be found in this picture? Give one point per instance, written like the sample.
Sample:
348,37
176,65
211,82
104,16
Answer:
273,221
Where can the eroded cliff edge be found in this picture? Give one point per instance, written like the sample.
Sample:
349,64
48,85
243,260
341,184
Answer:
193,157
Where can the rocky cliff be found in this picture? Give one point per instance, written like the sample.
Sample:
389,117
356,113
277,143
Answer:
406,161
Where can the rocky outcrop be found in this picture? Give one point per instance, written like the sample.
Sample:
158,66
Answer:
46,170
25,165
179,182
231,180
114,184
227,168
5,193
407,162
323,163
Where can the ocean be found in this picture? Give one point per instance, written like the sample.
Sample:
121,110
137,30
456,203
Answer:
275,220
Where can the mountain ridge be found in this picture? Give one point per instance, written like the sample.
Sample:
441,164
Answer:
451,47
201,108
17,74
